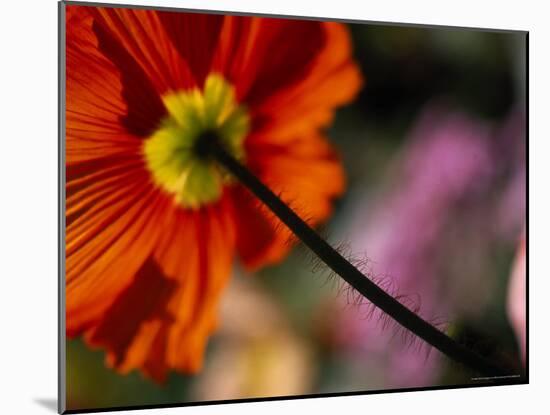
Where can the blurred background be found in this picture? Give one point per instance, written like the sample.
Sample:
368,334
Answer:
434,150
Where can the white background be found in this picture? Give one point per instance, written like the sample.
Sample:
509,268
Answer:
28,202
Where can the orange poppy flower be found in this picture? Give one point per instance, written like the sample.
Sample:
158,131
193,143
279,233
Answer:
153,227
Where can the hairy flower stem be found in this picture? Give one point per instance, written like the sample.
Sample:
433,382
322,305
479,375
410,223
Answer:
352,275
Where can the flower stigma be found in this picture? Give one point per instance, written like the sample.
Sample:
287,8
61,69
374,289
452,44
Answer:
177,153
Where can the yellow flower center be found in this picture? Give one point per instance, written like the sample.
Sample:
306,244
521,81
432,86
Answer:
175,154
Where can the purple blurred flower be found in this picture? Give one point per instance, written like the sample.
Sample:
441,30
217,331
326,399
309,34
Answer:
430,228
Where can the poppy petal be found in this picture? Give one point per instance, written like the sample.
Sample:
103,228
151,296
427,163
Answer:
259,55
182,282
285,138
94,95
96,143
111,238
144,105
195,37
295,110
142,34
196,305
264,239
143,300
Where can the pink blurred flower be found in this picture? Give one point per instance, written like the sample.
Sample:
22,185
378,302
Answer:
431,229
517,297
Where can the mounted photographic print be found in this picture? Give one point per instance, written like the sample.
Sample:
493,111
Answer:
275,207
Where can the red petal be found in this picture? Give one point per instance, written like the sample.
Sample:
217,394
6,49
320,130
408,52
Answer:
285,142
309,104
94,95
142,35
143,300
106,244
195,36
196,304
263,238
145,108
162,320
260,55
